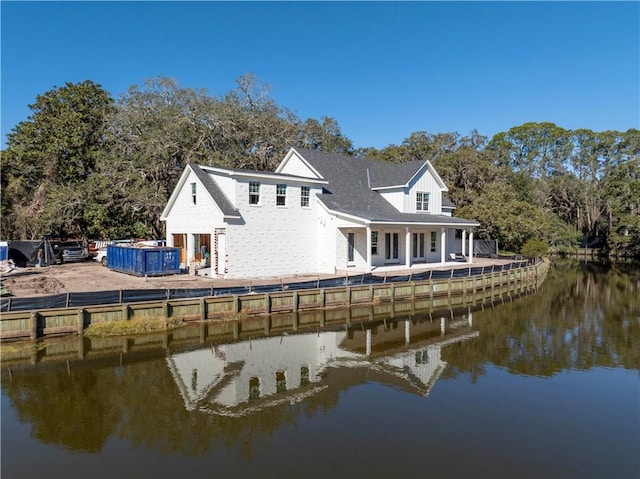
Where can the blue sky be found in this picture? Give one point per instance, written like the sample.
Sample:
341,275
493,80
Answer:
382,70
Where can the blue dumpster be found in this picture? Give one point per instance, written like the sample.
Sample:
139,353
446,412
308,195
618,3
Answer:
158,261
4,250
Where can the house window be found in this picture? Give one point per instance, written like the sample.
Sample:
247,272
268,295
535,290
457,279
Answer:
254,193
304,375
281,382
254,388
374,243
351,247
433,241
281,195
422,201
193,193
304,196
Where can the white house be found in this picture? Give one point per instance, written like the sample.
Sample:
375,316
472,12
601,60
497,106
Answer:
317,213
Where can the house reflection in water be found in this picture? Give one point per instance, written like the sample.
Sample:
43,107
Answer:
242,378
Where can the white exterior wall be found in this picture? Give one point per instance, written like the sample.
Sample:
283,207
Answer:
185,217
295,166
424,183
273,240
227,185
396,197
326,241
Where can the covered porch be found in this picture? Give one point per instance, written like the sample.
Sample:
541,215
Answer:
375,247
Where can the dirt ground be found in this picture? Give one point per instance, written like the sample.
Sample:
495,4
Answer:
92,276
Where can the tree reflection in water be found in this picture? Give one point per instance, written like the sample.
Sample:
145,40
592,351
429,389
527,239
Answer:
583,316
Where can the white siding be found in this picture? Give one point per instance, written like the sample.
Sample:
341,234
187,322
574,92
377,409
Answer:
396,197
326,242
295,166
272,240
227,185
425,183
190,219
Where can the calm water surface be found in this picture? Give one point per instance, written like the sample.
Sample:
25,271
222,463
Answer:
542,386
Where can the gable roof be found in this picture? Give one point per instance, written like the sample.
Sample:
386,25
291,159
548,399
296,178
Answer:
350,187
211,188
216,193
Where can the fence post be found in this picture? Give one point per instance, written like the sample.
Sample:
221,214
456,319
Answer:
34,325
267,303
296,301
203,309
125,312
81,321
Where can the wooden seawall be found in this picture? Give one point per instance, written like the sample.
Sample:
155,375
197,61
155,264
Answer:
399,297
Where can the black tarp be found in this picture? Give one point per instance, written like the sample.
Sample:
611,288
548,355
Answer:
141,295
26,252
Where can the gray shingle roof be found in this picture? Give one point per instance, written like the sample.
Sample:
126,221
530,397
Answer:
216,193
447,203
349,189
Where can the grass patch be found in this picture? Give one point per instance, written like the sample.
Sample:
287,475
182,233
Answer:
133,326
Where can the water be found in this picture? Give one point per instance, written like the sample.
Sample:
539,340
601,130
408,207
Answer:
545,385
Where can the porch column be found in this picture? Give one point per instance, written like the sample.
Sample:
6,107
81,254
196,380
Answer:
407,249
368,249
407,331
464,242
191,248
443,245
470,247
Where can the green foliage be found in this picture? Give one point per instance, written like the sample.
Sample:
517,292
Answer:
534,248
82,165
51,155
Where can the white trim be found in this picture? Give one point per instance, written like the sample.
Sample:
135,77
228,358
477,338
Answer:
419,172
265,175
306,163
176,192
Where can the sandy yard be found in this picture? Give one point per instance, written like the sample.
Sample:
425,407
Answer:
92,276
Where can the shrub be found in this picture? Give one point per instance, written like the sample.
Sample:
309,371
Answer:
534,248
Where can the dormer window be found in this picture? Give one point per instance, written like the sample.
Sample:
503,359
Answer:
422,201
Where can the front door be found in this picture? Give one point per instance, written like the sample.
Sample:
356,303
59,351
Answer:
179,241
351,248
417,247
391,247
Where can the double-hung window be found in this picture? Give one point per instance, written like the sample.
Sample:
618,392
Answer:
304,196
433,241
374,243
422,201
281,195
193,193
254,193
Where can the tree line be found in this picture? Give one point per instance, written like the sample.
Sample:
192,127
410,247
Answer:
86,165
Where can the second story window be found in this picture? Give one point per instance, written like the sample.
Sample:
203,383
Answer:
193,193
422,201
254,193
304,196
281,195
